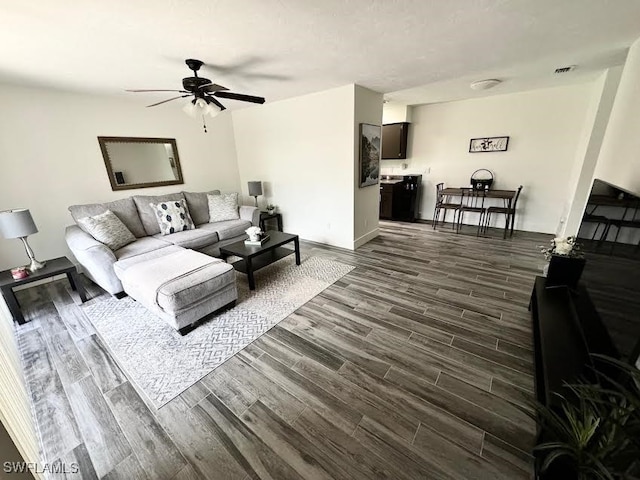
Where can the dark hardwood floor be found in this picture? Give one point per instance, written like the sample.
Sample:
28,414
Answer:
416,365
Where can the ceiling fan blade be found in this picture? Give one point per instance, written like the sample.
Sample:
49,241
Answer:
179,91
165,101
239,96
212,87
216,102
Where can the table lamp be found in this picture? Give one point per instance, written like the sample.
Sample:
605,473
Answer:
19,224
255,190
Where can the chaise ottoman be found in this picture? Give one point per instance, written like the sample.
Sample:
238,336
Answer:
179,285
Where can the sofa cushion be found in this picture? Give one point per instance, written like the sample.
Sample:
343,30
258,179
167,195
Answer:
148,214
126,262
199,205
223,207
173,217
108,229
124,209
139,247
194,239
228,228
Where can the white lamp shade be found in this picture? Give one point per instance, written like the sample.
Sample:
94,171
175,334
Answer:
17,223
255,189
200,106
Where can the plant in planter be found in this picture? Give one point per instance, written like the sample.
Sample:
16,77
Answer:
271,208
566,262
255,233
594,432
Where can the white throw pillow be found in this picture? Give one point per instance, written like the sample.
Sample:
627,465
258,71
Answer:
223,207
108,229
173,216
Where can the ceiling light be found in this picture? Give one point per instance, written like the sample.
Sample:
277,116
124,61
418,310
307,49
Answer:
200,106
485,84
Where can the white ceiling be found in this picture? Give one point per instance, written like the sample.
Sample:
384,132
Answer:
417,51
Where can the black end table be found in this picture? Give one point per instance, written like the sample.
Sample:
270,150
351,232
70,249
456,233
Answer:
57,266
254,257
268,216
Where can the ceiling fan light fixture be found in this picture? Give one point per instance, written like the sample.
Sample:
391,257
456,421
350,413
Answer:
190,109
485,84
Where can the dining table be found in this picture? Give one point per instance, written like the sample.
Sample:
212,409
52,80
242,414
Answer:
506,196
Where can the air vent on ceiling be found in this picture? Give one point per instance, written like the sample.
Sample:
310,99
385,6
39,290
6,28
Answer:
565,69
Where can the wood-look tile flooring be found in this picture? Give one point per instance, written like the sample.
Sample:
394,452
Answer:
416,365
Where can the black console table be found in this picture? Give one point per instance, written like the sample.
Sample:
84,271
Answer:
566,330
57,266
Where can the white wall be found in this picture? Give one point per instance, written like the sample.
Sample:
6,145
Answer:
50,157
302,149
603,95
545,128
366,204
396,113
619,161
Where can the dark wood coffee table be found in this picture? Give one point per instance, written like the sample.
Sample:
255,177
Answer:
254,257
57,266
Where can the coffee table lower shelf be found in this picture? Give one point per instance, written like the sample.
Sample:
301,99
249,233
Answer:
263,259
255,257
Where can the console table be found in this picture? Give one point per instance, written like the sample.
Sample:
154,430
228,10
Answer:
57,266
264,216
566,330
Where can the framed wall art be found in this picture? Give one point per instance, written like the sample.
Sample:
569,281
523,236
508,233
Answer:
370,150
488,144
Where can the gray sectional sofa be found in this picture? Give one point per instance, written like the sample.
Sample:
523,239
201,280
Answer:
99,262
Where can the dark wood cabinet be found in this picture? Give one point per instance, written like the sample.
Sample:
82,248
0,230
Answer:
386,201
394,140
400,197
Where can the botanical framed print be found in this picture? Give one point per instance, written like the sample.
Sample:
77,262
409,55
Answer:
488,144
370,152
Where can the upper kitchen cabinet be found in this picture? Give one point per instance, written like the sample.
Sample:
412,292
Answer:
394,140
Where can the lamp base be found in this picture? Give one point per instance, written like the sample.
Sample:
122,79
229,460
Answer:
36,265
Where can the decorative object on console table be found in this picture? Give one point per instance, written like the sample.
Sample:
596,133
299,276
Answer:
488,144
271,208
18,223
254,233
566,262
370,149
255,190
481,179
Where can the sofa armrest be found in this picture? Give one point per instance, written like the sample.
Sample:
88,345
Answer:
96,258
250,213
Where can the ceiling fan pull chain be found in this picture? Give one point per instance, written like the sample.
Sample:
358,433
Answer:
204,124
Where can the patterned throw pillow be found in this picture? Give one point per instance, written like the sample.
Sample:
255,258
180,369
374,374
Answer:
108,229
223,207
173,216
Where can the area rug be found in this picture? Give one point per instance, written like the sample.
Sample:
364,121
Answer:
162,363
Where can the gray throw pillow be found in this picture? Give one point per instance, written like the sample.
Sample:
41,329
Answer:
223,207
173,216
108,229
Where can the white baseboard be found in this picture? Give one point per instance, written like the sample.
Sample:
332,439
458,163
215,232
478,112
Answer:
358,242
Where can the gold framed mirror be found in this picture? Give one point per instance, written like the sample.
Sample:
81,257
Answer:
136,162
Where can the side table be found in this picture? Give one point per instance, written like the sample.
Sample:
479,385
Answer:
57,266
268,216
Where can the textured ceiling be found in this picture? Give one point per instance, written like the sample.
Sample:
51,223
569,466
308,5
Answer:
284,48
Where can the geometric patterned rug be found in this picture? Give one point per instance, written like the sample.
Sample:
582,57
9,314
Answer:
162,363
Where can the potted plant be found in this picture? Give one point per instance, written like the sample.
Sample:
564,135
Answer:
255,233
271,209
566,262
593,432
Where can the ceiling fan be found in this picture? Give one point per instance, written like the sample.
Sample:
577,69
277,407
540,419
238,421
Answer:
204,93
